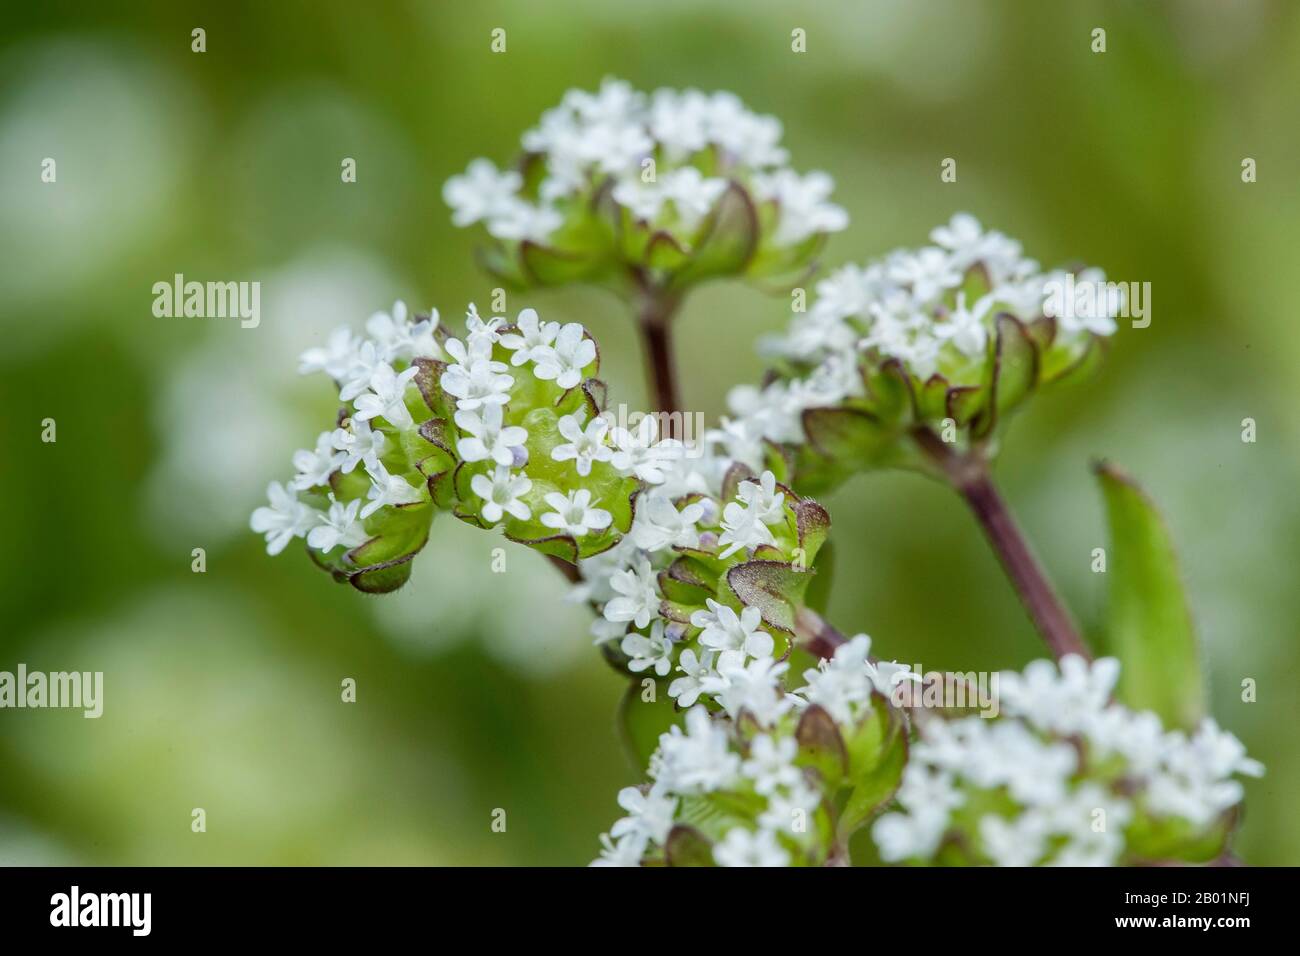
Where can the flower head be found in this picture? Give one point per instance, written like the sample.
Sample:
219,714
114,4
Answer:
659,169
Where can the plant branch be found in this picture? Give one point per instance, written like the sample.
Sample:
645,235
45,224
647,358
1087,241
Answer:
969,475
655,310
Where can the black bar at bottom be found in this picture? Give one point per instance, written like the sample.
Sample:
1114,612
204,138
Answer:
334,905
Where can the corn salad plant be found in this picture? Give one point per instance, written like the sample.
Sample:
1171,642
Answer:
767,736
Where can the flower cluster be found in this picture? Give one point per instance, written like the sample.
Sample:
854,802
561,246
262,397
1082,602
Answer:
1065,777
960,330
679,184
769,777
503,428
704,590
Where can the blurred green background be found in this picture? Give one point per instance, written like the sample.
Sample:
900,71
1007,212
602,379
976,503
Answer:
478,691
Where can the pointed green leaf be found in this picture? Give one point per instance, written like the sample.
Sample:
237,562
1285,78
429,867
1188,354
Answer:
1148,627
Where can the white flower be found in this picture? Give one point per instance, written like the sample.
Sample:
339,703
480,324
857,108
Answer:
696,761
742,529
334,358
1062,700
928,272
387,396
841,684
481,333
361,368
585,445
650,814
638,453
1220,753
1018,842
679,121
902,836
686,690
489,439
638,594
396,337
660,525
388,489
748,138
573,513
315,467
643,199
655,651
519,221
963,231
286,518
501,494
358,443
603,631
692,194
771,763
803,205
762,498
474,379
922,786
965,327
481,193
626,852
741,847
339,526
564,361
532,336
789,811
724,630
615,102
754,687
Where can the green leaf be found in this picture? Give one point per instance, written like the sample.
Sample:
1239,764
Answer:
383,578
875,775
774,587
821,746
1013,373
1151,838
891,392
813,524
547,266
1148,627
849,436
727,240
